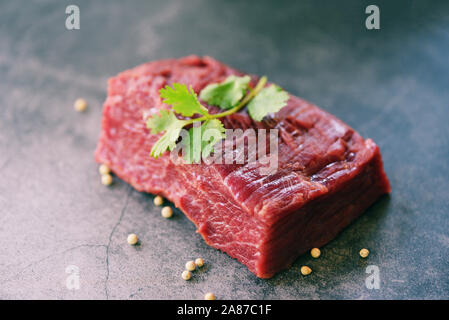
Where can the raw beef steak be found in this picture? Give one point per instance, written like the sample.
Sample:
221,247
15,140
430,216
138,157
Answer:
327,173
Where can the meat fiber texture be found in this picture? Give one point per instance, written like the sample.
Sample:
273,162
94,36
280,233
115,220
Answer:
327,173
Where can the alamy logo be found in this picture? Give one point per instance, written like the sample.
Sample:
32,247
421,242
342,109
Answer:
252,147
373,280
72,282
373,20
72,22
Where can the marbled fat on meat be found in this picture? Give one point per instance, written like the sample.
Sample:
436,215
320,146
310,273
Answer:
327,176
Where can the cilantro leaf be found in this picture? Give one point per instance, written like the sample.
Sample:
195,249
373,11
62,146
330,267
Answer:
184,101
158,123
207,129
202,140
172,126
225,94
269,100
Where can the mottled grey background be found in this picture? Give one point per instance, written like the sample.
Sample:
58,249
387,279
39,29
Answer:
390,85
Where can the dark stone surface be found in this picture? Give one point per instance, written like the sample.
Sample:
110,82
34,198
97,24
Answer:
390,85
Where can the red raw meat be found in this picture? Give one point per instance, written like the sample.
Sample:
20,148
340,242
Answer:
327,176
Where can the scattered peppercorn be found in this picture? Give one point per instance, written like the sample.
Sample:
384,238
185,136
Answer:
305,270
104,169
209,296
132,239
186,275
158,201
106,179
364,253
80,105
199,262
190,266
315,252
167,212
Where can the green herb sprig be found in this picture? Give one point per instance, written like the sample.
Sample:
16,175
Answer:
231,95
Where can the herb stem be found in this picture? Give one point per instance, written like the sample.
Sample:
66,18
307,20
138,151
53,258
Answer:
250,95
